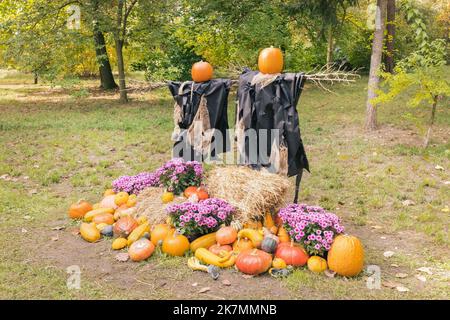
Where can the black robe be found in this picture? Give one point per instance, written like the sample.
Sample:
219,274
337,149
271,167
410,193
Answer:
215,92
273,106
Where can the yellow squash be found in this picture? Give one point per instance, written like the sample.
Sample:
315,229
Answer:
89,232
119,243
205,241
90,215
138,232
255,236
207,257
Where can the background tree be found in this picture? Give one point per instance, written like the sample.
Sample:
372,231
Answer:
375,62
390,37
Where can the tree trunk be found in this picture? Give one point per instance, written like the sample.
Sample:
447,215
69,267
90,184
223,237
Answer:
390,36
35,75
330,46
375,62
106,76
430,126
121,69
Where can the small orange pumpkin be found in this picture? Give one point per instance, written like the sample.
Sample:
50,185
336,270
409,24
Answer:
253,261
159,233
346,256
107,218
317,264
124,226
175,244
292,254
141,249
79,209
201,71
270,60
226,235
217,248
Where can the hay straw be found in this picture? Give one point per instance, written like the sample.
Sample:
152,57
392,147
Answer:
253,193
149,204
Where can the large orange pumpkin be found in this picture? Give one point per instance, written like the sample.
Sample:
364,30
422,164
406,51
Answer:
253,261
159,233
292,254
175,244
79,209
346,256
270,61
226,235
124,226
141,249
201,71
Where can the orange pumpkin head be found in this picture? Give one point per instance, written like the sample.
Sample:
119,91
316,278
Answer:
141,249
201,71
270,61
79,209
293,255
175,244
159,233
253,261
124,226
346,256
226,235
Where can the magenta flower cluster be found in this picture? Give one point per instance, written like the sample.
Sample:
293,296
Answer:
135,184
202,217
175,175
311,226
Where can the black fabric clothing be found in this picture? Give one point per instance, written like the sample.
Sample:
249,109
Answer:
269,106
188,98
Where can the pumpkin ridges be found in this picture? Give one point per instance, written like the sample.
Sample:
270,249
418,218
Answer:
124,226
159,233
175,244
201,71
141,249
226,235
292,254
79,209
253,261
346,256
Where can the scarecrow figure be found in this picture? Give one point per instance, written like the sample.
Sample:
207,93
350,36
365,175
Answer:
266,104
200,118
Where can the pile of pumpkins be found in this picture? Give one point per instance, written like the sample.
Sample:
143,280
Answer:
114,216
253,248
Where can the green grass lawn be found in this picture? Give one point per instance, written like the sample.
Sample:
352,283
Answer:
58,146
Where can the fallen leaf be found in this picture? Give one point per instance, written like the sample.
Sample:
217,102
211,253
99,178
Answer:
394,265
408,203
57,228
402,289
421,278
194,284
247,276
204,289
226,282
33,191
55,238
329,273
401,275
24,230
438,167
383,238
376,227
446,209
389,284
75,232
122,257
388,254
27,217
425,270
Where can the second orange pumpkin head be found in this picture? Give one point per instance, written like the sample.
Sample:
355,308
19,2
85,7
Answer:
270,61
201,71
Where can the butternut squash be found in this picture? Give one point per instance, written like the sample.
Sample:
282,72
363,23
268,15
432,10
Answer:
205,241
